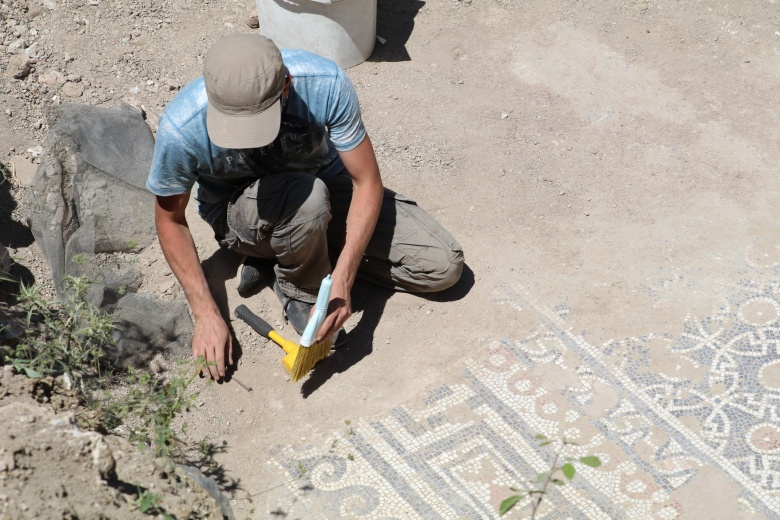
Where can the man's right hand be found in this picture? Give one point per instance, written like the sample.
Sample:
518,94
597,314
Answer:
212,340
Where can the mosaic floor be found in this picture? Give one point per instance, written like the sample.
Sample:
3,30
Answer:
668,416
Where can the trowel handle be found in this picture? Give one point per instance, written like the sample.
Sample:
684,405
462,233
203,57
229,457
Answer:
253,320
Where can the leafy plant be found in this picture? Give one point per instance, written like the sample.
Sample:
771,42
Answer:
148,504
151,406
147,501
560,467
62,336
67,336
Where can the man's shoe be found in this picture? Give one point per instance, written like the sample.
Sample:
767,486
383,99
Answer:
253,272
295,311
298,312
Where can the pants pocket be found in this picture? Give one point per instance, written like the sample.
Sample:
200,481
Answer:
253,213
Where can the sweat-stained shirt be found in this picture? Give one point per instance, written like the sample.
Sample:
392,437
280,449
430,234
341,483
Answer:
320,118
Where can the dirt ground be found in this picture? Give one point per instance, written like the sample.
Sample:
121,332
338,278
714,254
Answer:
615,161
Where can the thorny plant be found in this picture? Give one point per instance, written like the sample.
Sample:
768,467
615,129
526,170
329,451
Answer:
67,336
560,467
62,336
150,407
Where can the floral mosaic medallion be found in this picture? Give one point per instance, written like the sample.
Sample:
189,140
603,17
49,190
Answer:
680,423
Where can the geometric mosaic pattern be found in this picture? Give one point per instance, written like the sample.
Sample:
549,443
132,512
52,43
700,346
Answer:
656,410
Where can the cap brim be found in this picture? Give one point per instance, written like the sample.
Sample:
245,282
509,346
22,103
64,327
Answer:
244,131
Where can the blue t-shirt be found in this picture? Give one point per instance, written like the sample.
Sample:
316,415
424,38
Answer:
321,118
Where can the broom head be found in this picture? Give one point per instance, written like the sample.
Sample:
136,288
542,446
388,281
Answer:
307,357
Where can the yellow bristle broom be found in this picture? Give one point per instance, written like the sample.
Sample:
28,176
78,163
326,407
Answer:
300,358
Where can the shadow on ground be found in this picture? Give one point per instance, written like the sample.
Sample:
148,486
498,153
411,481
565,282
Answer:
394,24
372,300
14,235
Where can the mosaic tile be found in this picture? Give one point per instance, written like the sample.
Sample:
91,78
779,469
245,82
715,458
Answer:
659,410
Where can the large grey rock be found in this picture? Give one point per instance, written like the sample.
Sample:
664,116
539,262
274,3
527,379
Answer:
88,201
88,195
148,326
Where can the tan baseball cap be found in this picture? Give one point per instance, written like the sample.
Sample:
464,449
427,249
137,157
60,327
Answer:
244,77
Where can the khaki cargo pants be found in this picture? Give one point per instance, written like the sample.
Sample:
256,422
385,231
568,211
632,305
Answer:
300,220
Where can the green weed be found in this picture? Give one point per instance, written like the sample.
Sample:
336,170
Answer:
151,406
67,336
560,467
148,504
62,336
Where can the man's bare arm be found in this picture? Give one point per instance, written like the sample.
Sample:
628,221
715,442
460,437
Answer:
362,217
211,337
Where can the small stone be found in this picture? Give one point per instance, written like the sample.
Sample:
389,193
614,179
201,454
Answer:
24,169
504,115
103,460
75,78
165,286
17,46
32,50
51,78
25,69
253,22
72,90
642,7
33,11
9,113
